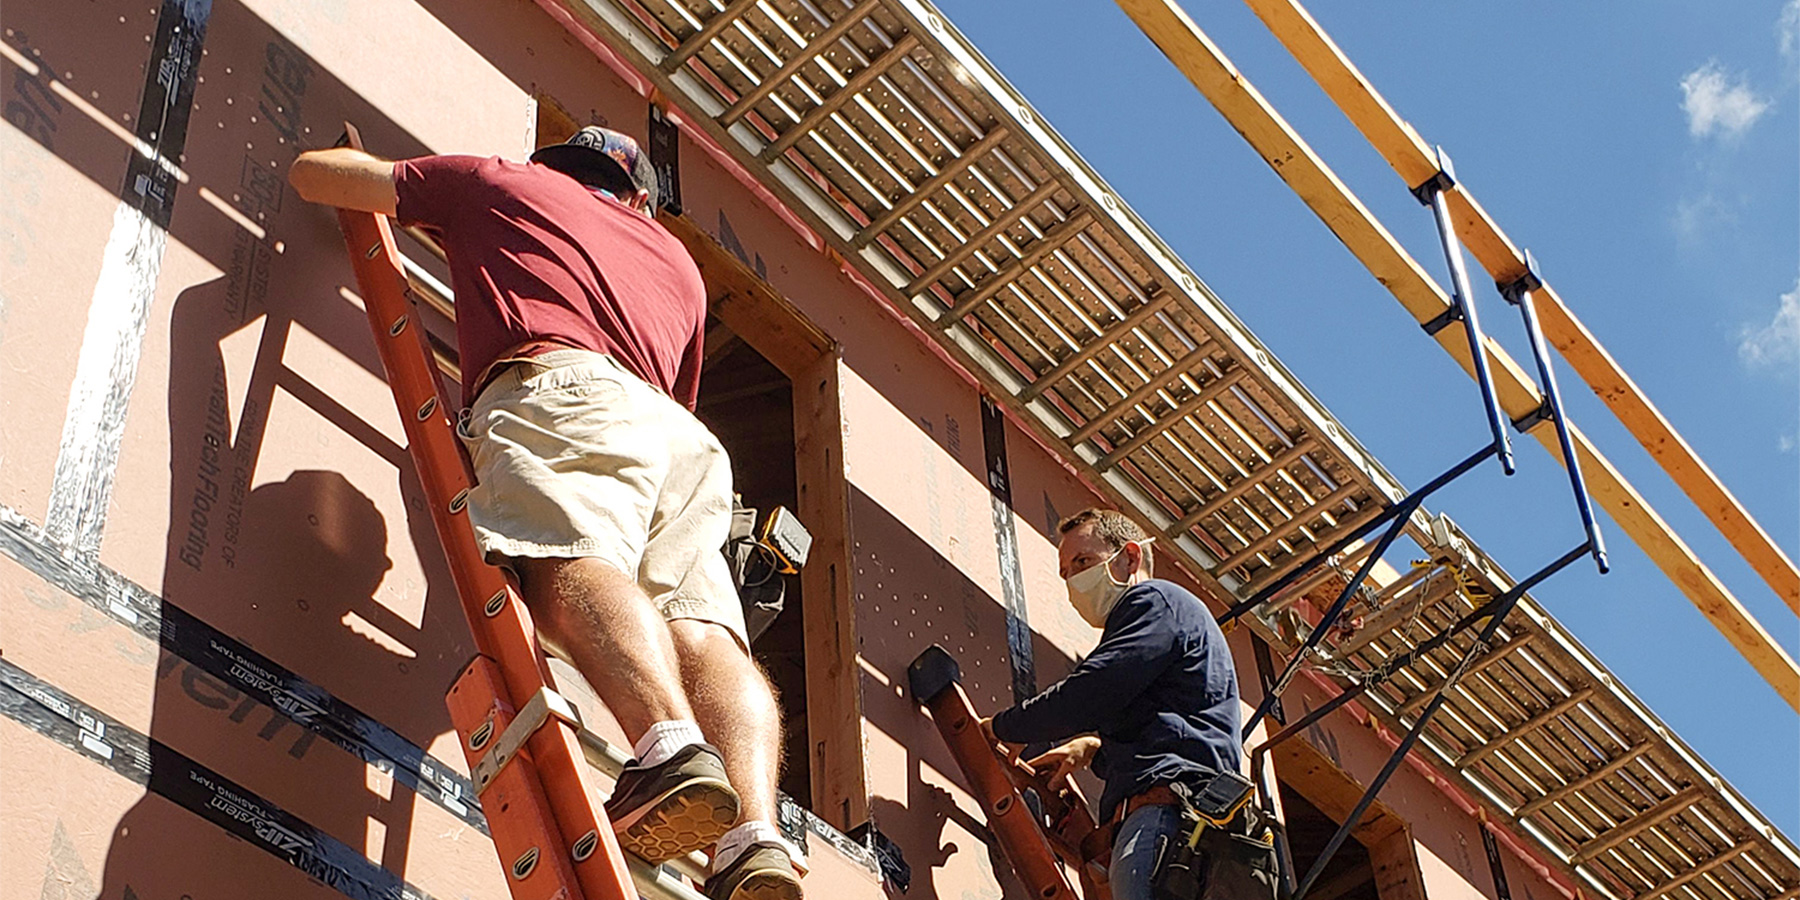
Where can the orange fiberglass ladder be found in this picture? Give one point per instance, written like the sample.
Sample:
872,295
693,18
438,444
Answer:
1035,836
524,747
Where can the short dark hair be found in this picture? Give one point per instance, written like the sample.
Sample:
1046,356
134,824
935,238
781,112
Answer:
1109,525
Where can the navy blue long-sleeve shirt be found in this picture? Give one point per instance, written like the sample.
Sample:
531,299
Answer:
1159,689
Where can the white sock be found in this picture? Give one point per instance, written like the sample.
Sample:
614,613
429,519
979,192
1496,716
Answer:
733,844
664,739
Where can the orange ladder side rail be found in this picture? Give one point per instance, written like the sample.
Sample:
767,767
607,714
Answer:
553,837
1078,840
1068,823
934,678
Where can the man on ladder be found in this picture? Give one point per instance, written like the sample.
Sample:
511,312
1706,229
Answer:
1155,703
580,325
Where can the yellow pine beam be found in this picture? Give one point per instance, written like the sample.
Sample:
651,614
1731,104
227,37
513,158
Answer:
1194,54
1413,160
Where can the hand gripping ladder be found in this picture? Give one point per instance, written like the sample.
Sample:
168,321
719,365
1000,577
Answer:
519,736
1033,835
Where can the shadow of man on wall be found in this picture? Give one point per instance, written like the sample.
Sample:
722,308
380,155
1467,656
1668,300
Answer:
285,554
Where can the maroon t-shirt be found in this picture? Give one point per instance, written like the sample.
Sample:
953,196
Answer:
537,256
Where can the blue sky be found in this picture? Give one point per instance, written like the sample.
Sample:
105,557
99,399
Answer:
1649,155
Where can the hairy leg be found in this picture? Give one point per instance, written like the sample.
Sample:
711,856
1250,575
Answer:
598,618
736,708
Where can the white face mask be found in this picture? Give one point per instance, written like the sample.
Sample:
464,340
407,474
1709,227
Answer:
1093,592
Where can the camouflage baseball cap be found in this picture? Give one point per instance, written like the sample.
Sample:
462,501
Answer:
603,158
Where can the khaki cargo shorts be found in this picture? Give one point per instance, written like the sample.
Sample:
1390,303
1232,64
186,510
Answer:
575,457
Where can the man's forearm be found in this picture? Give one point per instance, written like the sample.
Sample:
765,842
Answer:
345,178
1043,718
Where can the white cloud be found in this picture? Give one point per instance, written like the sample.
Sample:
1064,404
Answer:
1787,28
1715,103
1699,216
1777,343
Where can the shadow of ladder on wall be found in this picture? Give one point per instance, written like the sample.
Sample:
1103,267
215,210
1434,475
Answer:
528,756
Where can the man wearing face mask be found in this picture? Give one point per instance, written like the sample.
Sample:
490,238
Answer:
1155,703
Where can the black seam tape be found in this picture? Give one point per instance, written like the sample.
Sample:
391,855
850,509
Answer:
53,713
210,651
219,655
1006,539
1495,864
168,99
665,158
87,461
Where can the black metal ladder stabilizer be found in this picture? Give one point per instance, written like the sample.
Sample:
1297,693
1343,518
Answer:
1487,617
1462,307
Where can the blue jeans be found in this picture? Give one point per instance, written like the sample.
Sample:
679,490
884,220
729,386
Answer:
1134,850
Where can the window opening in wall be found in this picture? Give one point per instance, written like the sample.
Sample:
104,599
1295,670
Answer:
749,405
1349,875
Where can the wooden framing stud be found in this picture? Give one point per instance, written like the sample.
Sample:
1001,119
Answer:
714,27
1010,272
1288,528
1636,825
1244,484
974,242
1155,303
1529,725
1583,782
1186,364
1698,871
1486,659
1209,392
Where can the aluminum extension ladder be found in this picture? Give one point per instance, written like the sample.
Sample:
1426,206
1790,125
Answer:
527,753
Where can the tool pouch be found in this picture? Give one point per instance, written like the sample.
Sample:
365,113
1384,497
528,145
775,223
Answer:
754,572
760,559
1233,861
